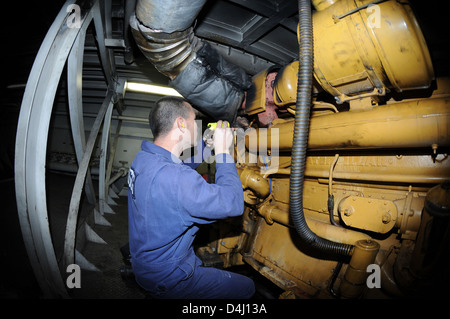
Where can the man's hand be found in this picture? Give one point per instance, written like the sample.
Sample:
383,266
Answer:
223,138
208,138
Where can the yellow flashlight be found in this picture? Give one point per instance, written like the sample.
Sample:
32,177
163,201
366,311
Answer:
212,126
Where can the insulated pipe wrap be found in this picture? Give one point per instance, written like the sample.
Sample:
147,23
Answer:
164,33
300,142
168,15
208,83
168,52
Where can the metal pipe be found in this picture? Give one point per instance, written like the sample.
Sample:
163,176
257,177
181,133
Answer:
130,5
253,180
354,281
113,117
273,213
330,203
405,169
410,124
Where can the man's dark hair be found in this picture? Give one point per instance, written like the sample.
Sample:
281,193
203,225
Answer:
165,112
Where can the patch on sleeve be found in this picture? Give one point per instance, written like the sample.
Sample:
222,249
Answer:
131,181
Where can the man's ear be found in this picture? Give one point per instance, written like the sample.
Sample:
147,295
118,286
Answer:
180,123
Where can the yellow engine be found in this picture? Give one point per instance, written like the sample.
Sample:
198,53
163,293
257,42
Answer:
377,171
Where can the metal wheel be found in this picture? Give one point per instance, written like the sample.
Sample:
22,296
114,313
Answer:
62,47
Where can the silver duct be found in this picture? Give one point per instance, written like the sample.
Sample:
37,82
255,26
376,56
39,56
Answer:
164,33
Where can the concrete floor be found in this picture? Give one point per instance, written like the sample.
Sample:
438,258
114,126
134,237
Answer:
108,283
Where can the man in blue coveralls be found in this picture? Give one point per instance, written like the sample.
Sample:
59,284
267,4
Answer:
168,199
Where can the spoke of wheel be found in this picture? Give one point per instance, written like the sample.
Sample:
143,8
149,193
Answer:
71,226
74,94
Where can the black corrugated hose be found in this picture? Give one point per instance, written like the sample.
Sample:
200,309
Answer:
300,142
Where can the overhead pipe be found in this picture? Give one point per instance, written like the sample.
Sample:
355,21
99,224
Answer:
129,10
163,30
168,15
300,142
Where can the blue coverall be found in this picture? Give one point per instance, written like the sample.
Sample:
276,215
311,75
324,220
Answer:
167,200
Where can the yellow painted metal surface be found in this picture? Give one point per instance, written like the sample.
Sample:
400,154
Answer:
354,282
409,124
252,179
369,51
273,213
377,159
258,103
275,253
377,215
285,88
322,4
